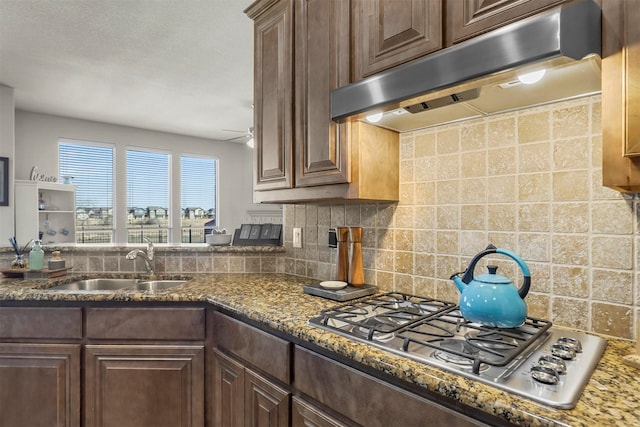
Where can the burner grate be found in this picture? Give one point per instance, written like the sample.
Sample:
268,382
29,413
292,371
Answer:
483,344
384,314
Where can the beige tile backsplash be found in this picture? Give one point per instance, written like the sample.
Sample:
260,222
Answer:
529,181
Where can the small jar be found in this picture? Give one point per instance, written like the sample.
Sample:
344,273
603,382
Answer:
18,262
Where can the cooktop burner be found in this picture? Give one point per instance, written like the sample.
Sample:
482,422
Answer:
535,360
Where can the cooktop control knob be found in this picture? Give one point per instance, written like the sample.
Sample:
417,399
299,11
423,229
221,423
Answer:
553,362
563,351
544,375
574,343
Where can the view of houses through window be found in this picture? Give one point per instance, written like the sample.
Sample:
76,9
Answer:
148,197
90,167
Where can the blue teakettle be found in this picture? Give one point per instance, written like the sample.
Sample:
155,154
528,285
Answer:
491,299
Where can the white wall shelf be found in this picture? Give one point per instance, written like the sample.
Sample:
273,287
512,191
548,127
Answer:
57,222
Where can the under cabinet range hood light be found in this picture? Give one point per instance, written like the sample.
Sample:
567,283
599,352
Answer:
481,76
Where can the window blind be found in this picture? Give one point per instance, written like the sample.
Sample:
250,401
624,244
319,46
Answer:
147,179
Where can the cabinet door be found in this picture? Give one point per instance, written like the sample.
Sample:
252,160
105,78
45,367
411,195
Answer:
228,391
144,385
321,64
304,414
39,385
266,404
273,97
621,95
468,18
391,32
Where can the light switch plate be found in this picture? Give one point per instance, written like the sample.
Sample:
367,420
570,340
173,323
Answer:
297,237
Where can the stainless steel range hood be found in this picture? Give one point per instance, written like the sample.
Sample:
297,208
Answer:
480,76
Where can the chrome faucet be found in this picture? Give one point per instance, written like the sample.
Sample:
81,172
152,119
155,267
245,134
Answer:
147,256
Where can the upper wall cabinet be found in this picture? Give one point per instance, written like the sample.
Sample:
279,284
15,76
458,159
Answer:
324,159
391,32
321,65
469,18
273,93
621,95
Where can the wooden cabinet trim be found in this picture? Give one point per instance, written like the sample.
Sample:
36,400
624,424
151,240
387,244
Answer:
149,323
41,323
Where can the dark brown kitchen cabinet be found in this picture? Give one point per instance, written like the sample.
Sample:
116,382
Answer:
266,403
251,375
469,18
144,385
227,391
388,33
321,65
621,95
305,414
40,366
242,397
273,93
39,385
365,399
332,161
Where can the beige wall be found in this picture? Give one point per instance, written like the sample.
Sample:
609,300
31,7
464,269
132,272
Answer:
529,181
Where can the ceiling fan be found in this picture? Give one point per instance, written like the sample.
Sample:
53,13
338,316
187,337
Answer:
245,138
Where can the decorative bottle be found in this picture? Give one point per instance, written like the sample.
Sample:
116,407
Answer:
356,268
343,254
36,256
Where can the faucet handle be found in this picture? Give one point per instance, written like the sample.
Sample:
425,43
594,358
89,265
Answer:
149,247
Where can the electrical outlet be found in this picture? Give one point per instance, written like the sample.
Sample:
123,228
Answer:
297,237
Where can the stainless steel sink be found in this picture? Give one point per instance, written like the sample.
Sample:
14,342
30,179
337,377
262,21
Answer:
157,285
97,285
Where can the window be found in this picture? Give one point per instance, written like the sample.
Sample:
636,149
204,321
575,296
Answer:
90,166
147,196
198,186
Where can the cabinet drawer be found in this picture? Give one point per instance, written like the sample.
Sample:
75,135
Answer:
363,398
179,324
41,322
260,349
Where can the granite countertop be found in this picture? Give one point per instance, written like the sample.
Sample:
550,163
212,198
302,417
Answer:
278,301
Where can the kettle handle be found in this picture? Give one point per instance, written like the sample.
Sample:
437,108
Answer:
526,284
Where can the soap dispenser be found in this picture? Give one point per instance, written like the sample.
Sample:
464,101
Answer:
36,256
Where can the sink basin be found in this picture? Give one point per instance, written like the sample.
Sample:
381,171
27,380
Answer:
97,285
157,285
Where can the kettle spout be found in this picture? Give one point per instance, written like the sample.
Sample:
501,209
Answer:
458,282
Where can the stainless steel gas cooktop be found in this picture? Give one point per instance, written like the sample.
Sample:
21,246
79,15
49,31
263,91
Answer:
536,360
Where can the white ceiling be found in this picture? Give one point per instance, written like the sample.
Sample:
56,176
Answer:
180,66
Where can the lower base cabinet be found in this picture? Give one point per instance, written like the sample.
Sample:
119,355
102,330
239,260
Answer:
39,385
242,397
365,399
304,414
144,385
